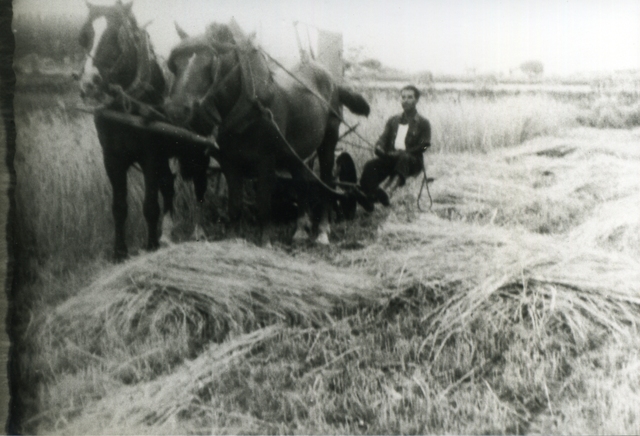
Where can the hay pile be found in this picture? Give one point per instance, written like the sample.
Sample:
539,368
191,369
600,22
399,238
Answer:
439,253
169,304
614,225
159,404
493,273
545,186
484,313
473,273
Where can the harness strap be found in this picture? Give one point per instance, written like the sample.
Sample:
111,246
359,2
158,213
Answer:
268,115
336,113
256,82
140,84
132,39
207,104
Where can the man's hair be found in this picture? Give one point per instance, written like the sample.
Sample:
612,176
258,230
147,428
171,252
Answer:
416,91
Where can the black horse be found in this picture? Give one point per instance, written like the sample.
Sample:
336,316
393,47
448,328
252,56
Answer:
268,119
122,71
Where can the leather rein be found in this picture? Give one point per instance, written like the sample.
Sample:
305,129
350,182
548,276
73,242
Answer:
254,102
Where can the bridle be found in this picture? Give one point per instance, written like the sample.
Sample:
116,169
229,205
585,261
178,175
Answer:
207,103
133,43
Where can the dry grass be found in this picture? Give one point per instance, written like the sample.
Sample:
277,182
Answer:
453,327
59,173
615,111
470,124
545,186
63,195
512,308
64,198
210,290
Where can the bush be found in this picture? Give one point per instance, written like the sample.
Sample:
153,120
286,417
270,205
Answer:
611,112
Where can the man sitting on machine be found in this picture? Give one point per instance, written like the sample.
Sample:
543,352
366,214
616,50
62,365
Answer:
398,151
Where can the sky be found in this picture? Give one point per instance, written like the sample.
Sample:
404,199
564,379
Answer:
442,36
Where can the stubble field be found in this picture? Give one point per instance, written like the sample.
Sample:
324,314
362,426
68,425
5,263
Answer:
511,306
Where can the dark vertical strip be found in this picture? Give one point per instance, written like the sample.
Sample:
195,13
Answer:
7,88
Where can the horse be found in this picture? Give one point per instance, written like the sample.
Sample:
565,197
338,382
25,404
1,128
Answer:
266,120
122,72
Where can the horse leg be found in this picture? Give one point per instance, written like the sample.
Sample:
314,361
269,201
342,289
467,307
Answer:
168,191
326,159
151,207
303,223
235,193
200,187
264,192
117,173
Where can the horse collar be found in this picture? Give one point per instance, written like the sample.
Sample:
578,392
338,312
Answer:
255,92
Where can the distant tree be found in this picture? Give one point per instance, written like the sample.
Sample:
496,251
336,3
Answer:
373,64
532,68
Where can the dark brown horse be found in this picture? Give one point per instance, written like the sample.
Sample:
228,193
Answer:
122,71
267,119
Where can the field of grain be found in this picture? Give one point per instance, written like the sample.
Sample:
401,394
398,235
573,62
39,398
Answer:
511,306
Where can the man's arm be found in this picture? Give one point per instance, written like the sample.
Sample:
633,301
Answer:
423,139
382,145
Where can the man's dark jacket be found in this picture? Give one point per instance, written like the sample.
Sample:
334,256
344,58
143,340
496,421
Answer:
418,135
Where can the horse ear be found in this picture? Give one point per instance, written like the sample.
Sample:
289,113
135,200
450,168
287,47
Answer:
128,6
181,33
236,30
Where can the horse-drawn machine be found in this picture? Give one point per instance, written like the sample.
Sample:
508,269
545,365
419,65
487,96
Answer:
229,101
344,185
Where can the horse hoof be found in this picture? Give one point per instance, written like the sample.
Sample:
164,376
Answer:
165,242
300,236
120,257
322,239
382,197
198,235
266,244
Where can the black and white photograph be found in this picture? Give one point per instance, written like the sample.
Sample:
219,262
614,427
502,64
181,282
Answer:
320,217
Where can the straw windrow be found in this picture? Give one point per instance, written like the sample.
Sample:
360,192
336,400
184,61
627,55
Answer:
206,291
543,284
512,308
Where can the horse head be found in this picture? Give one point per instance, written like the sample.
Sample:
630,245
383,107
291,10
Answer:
115,50
212,75
200,65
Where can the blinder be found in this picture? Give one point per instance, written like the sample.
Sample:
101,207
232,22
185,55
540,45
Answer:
126,40
251,95
86,35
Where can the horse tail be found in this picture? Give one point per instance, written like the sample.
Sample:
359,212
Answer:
354,101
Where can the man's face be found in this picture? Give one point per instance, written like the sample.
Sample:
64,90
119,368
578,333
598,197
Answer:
408,100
